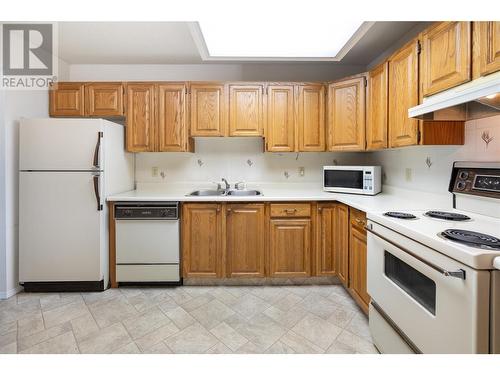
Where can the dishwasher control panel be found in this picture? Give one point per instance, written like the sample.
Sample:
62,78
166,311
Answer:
149,211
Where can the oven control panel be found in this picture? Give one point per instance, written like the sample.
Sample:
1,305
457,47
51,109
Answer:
476,181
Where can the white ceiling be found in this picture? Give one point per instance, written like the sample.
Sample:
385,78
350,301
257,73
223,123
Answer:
172,43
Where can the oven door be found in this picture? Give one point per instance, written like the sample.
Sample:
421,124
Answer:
343,180
433,312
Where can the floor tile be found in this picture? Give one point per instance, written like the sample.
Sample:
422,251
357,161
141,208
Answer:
9,348
84,325
287,318
249,305
56,300
299,344
28,341
270,294
318,305
359,326
8,338
30,324
341,316
180,317
191,340
8,328
151,339
114,311
141,302
356,343
130,348
62,344
317,330
219,348
146,322
228,336
197,302
280,348
287,302
106,340
64,313
159,348
92,298
212,313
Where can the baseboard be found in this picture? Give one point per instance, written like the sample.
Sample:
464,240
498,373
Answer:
11,292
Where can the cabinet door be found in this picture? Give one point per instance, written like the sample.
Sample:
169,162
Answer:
171,117
346,115
311,118
245,240
66,99
290,248
140,132
358,268
333,236
376,114
208,110
446,56
280,118
245,111
403,94
487,47
104,99
201,240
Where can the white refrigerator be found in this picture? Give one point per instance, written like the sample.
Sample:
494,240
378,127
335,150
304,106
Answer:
67,168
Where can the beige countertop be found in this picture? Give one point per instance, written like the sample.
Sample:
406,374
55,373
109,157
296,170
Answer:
391,198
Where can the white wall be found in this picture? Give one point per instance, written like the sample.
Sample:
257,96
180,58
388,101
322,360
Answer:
215,72
436,178
3,216
227,157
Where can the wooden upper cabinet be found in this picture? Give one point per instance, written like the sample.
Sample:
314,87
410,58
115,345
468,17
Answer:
376,113
246,117
311,118
171,117
140,128
486,48
66,99
202,240
245,240
403,94
104,99
446,56
290,248
208,110
358,259
346,115
280,118
332,240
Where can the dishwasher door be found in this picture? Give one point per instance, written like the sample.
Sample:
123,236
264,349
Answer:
147,241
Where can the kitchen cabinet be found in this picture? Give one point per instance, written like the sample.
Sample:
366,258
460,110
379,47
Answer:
208,110
332,241
376,113
311,117
246,114
202,238
245,240
140,127
346,115
290,248
104,99
445,56
486,48
403,94
66,99
280,135
358,259
171,118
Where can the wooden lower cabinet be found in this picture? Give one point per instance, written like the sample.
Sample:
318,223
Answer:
290,248
245,240
202,240
332,241
358,259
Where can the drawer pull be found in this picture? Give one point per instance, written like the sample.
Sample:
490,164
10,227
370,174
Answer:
290,211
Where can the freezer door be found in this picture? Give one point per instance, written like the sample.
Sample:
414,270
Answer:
60,144
60,227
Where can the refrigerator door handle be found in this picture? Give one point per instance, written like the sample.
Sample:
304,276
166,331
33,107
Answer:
96,191
97,151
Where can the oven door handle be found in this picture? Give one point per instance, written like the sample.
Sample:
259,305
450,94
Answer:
459,274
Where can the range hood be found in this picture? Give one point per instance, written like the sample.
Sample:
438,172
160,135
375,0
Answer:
475,99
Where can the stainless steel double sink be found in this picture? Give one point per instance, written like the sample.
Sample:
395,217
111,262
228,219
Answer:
238,193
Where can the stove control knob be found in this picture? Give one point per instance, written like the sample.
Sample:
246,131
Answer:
460,185
463,175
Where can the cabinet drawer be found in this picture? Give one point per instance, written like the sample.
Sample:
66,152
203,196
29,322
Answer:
358,219
290,210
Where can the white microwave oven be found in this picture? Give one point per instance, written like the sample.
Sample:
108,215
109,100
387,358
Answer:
352,179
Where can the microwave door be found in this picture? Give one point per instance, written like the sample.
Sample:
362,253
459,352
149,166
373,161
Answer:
344,180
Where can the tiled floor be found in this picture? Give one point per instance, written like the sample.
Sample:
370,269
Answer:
188,319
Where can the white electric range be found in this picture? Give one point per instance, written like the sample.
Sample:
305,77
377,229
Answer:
433,276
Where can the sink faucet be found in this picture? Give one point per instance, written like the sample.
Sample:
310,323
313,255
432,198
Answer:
226,184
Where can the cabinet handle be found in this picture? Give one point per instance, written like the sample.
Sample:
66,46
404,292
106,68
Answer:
320,209
218,209
229,210
290,211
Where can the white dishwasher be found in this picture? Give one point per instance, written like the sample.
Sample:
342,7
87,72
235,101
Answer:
147,242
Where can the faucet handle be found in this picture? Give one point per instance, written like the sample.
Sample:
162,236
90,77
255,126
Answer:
219,186
240,185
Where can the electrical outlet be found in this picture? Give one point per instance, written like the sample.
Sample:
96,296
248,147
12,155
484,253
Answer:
408,174
302,171
154,171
